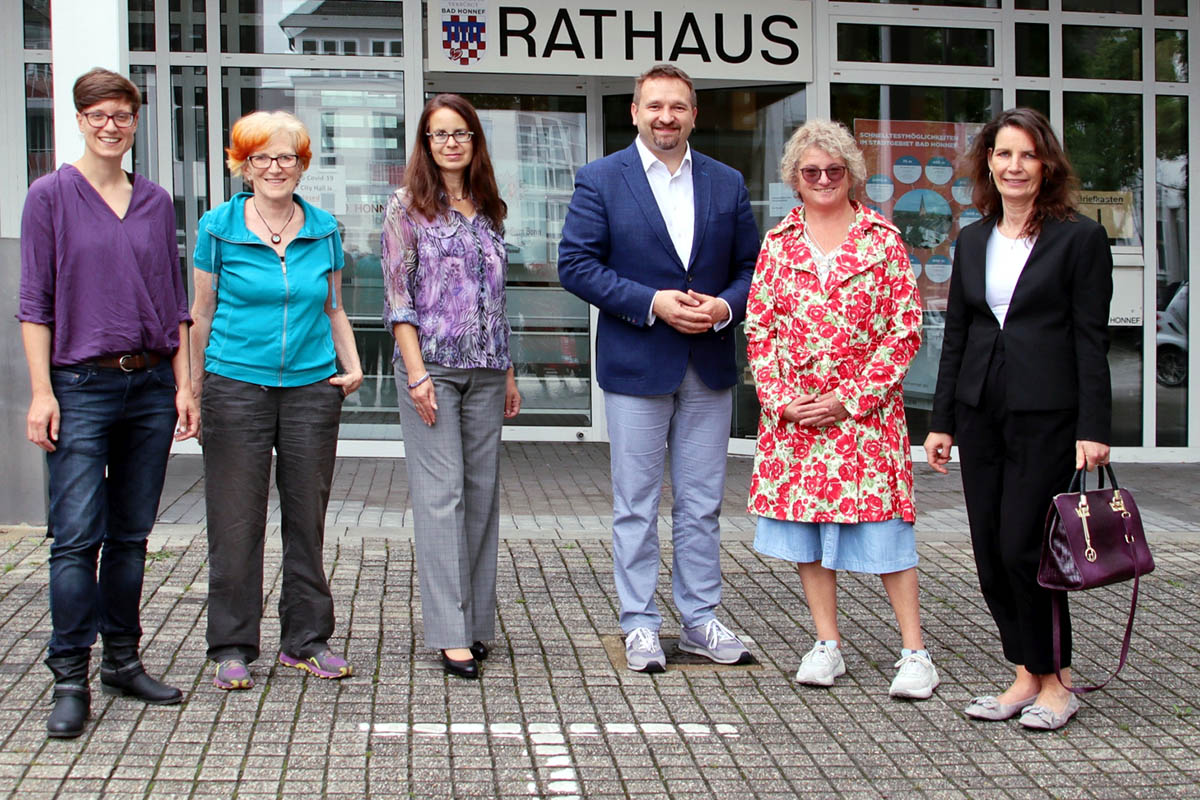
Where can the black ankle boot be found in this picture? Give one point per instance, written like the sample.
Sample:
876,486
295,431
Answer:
72,700
122,674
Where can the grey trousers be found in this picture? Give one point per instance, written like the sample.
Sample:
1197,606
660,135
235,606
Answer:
242,424
454,481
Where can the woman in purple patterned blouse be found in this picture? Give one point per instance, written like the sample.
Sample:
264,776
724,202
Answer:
444,268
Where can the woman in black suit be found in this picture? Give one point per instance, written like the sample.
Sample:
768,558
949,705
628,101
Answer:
1023,386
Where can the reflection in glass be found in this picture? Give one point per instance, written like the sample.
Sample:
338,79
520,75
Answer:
1171,8
746,129
39,120
338,27
145,140
959,3
1171,336
141,25
1102,52
186,26
1170,56
189,152
1034,98
1103,135
913,137
1104,6
356,122
912,44
1033,49
37,24
1033,5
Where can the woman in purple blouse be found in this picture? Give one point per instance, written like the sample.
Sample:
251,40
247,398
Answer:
104,320
444,268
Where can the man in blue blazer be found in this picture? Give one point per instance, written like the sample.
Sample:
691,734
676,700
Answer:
662,241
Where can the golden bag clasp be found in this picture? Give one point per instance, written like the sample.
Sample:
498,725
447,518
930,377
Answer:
1083,512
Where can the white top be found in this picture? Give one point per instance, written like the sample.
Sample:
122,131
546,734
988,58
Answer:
675,197
1005,260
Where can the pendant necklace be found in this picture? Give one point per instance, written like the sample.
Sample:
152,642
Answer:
275,237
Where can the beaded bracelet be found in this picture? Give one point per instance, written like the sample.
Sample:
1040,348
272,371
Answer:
419,381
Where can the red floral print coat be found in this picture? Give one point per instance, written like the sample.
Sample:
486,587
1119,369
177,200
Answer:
856,337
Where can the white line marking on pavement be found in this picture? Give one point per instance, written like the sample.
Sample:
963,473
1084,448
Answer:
552,756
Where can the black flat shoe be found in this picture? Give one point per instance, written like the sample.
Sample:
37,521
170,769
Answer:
461,669
480,651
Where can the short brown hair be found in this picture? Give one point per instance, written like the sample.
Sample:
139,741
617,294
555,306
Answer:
1058,195
663,71
99,84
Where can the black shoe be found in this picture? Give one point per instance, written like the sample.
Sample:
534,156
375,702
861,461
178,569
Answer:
480,651
462,669
122,674
72,700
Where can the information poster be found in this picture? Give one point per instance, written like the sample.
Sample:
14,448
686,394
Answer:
913,179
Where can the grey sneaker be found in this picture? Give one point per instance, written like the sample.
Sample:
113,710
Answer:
915,678
643,653
715,642
821,665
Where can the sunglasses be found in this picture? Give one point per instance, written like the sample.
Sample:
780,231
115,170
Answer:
813,174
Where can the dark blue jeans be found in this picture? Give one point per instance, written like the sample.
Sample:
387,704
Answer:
106,476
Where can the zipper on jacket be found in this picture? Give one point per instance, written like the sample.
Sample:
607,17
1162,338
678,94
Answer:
286,297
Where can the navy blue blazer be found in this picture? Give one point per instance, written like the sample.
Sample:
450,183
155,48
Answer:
616,253
1055,333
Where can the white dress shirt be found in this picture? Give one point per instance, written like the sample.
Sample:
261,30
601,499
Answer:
1005,261
676,200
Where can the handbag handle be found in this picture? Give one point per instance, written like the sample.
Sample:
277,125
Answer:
1056,613
1079,479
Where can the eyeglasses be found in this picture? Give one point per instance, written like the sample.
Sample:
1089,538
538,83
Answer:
98,119
813,174
462,137
263,161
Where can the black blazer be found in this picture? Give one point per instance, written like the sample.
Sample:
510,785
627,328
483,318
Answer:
1055,334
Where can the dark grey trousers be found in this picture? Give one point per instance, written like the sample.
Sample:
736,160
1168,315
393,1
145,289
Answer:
454,479
242,424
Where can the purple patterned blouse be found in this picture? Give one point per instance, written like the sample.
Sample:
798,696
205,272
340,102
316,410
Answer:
446,276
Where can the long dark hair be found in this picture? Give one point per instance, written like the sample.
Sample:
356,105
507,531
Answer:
1058,196
424,180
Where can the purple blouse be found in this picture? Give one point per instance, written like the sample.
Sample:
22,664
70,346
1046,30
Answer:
446,276
103,285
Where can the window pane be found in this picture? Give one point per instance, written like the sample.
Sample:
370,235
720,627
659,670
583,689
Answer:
1033,5
1034,98
37,24
1101,52
1170,56
186,26
1103,137
1171,8
913,138
1171,191
1104,6
141,25
960,3
1033,49
356,124
189,153
912,44
269,26
39,120
145,141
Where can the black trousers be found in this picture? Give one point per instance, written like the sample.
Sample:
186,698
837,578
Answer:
1013,463
242,424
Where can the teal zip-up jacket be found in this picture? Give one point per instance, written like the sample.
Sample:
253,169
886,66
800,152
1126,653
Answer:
269,327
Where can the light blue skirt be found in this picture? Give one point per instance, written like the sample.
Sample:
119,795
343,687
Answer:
874,547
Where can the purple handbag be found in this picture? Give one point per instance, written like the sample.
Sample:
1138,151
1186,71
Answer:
1093,539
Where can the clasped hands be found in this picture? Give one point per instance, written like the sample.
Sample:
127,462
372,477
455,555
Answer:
815,410
690,311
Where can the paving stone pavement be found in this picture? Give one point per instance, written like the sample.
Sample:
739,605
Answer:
552,716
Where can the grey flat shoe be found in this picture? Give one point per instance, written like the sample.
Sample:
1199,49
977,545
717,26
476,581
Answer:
1040,718
990,709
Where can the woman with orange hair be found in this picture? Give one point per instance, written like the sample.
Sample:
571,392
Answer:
269,331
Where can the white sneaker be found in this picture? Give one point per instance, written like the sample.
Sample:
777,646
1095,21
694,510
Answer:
915,678
643,653
821,665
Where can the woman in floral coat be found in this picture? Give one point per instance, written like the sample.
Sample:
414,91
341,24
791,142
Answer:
833,321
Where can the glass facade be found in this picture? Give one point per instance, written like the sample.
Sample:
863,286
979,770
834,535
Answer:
934,68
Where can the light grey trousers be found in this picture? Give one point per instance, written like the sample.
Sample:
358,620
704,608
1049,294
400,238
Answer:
454,483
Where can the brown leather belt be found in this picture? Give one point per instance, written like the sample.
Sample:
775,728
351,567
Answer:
129,362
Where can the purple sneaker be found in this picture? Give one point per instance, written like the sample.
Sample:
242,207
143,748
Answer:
324,665
233,674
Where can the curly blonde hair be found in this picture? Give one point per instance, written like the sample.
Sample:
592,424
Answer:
823,134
